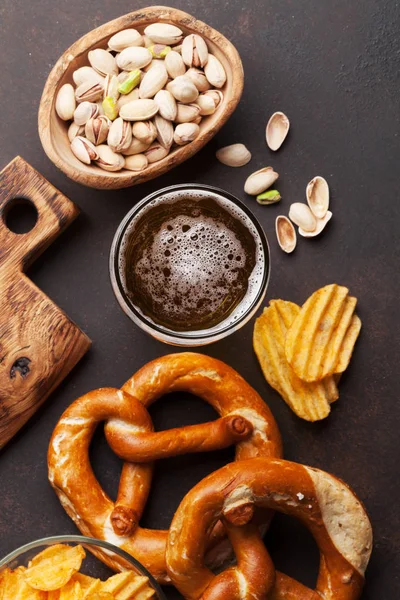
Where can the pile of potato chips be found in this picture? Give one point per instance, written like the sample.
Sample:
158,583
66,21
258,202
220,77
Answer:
303,351
54,575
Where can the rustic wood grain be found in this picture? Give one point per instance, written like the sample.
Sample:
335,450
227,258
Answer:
53,131
39,344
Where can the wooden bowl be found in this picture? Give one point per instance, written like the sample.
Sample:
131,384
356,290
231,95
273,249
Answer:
53,131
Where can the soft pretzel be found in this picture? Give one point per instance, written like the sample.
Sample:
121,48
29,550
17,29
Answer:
244,419
329,509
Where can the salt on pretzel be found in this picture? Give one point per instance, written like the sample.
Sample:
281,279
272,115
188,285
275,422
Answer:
244,419
329,509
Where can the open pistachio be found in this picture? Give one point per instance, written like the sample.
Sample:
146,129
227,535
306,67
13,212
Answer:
111,85
139,110
215,72
159,50
186,113
134,58
125,39
109,160
74,130
194,51
84,74
277,130
156,152
145,131
103,62
183,89
120,135
136,162
166,104
206,105
110,108
319,227
131,80
185,133
199,79
285,234
126,98
89,90
65,102
260,181
317,193
302,216
84,112
165,131
84,150
269,197
136,147
235,155
216,95
96,130
174,64
163,33
153,81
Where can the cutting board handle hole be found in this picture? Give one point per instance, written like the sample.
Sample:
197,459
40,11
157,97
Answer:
20,215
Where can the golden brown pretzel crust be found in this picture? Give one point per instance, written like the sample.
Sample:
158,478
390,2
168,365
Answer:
244,419
323,503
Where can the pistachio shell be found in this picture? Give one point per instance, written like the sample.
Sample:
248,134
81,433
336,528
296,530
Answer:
65,102
206,105
186,113
317,193
216,95
153,81
96,130
165,131
139,110
136,162
320,226
126,98
199,79
84,112
156,152
260,181
124,39
277,130
111,85
103,62
235,155
183,89
285,234
84,150
145,131
163,33
302,216
120,135
215,72
185,133
84,74
75,130
174,64
133,58
194,51
109,160
89,90
136,147
166,104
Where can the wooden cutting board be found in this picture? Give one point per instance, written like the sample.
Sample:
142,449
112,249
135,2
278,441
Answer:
39,344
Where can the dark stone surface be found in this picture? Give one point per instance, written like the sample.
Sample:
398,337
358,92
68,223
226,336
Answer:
333,67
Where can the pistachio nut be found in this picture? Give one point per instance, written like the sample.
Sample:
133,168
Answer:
199,79
153,81
84,150
197,120
317,193
125,39
96,130
163,33
75,130
130,82
110,108
206,105
174,64
120,135
126,98
123,76
84,74
183,89
302,216
103,62
277,130
186,113
216,95
108,159
111,85
99,105
320,226
194,51
260,181
85,111
285,234
155,63
65,102
159,50
145,131
147,42
166,104
89,90
156,152
165,131
133,58
136,147
185,133
139,110
215,72
269,197
235,155
136,162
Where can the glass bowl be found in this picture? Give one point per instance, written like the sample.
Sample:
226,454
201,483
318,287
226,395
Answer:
92,565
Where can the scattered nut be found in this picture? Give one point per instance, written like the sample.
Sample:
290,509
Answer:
236,155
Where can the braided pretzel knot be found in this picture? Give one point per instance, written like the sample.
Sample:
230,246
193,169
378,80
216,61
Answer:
329,509
244,419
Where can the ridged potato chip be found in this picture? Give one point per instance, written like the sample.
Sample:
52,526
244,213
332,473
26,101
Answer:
321,339
310,401
125,585
71,591
89,585
54,567
14,587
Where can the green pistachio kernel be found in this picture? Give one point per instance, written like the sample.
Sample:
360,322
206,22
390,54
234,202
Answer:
159,50
268,197
130,82
110,108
